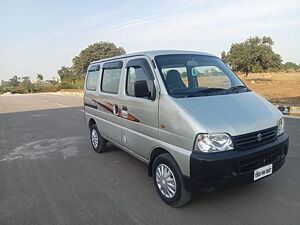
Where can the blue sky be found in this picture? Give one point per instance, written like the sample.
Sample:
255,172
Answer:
41,36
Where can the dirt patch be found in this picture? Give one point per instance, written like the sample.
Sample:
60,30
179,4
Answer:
72,90
258,80
279,88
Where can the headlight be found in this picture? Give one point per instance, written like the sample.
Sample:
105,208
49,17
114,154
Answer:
280,125
215,142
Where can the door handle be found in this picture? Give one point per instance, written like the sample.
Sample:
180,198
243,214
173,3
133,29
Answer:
124,111
115,109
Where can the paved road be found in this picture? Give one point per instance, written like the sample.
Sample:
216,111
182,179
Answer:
50,175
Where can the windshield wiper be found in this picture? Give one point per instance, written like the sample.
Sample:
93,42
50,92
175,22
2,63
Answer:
205,91
212,91
238,87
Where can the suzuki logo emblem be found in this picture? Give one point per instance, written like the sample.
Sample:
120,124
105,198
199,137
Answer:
259,137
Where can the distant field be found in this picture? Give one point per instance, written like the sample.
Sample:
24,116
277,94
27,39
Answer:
278,88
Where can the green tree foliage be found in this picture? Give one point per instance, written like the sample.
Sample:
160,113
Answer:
252,56
72,77
26,84
65,73
100,50
290,66
23,85
5,86
67,77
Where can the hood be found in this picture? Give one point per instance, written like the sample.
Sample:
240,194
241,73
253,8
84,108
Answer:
234,113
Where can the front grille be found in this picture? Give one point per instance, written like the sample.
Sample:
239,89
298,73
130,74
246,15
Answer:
255,139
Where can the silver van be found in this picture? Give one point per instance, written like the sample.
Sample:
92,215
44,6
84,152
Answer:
188,117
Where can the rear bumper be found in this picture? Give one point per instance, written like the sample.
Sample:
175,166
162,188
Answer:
227,169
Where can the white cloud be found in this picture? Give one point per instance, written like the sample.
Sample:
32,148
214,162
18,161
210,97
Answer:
131,23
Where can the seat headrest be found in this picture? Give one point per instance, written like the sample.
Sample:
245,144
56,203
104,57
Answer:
173,76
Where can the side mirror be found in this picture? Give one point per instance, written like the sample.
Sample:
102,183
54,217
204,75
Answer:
141,89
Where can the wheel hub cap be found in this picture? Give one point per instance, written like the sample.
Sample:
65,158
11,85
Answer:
165,180
95,139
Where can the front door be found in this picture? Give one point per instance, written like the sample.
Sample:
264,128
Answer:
140,114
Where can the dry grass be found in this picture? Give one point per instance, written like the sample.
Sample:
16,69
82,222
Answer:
279,88
72,90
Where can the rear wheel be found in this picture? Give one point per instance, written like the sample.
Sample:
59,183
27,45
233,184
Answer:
168,181
97,141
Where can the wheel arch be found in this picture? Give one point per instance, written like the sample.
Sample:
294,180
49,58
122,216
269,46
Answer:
154,153
92,121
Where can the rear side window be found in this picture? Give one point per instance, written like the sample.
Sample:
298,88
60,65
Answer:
110,80
92,78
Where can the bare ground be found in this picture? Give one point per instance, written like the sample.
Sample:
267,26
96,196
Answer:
278,88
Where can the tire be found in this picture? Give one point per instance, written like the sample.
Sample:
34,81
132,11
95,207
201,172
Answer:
180,195
97,141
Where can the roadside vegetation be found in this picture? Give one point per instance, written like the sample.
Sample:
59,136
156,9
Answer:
69,77
72,77
253,60
23,85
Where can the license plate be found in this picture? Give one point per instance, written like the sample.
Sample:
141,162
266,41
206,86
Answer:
262,172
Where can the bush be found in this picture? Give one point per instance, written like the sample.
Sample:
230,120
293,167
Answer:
77,84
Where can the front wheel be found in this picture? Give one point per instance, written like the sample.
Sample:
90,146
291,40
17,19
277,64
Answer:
97,141
168,181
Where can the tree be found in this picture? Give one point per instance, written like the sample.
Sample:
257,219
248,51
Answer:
223,56
253,55
26,84
5,83
290,66
65,73
97,51
25,81
4,86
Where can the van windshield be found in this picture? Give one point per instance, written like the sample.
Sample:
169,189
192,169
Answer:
197,75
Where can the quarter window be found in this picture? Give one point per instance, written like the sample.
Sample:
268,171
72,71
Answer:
91,81
110,80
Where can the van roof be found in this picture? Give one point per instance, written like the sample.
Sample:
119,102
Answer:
151,54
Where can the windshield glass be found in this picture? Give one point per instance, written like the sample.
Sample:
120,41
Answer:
197,75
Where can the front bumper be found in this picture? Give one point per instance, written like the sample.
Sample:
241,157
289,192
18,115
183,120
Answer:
222,170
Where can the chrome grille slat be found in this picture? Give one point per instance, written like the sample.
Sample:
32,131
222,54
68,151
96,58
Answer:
257,132
265,137
246,141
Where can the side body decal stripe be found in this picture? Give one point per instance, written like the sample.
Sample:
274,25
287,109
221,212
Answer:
110,108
